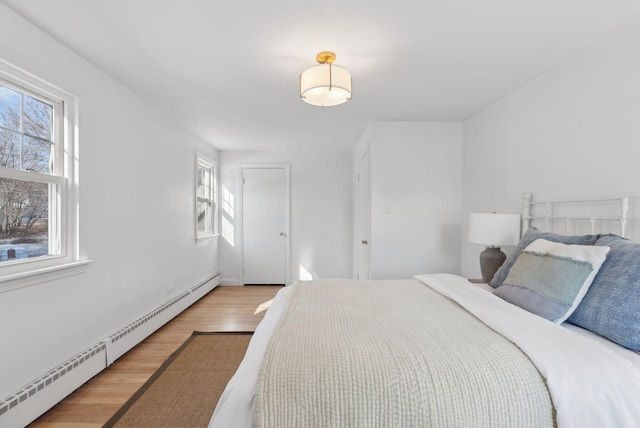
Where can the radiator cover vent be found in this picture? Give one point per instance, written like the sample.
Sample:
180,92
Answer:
143,320
27,391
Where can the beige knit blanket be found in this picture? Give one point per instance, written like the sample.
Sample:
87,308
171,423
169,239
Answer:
392,354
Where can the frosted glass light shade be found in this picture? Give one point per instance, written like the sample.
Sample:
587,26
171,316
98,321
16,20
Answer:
493,229
325,85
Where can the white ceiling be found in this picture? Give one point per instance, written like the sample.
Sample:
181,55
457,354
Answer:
228,70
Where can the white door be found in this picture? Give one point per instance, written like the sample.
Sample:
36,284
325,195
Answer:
363,217
264,225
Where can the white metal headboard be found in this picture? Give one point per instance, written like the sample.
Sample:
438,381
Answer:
581,216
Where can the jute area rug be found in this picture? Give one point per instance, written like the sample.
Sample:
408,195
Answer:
186,388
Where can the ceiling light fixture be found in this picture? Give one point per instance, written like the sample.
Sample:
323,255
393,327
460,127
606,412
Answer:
325,84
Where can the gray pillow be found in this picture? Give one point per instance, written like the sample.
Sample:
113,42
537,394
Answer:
531,235
611,307
550,278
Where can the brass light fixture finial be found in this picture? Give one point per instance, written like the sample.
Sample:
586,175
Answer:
326,57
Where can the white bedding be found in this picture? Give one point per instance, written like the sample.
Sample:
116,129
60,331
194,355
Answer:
236,405
593,383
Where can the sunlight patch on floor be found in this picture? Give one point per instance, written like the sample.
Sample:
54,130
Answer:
263,306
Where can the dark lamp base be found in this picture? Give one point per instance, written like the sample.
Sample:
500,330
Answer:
490,260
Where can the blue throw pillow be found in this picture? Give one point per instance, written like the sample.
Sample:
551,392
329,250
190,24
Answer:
531,235
611,307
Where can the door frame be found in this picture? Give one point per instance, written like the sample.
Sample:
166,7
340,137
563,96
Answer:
287,211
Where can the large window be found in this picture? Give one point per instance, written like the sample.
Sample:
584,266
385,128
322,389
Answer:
205,199
37,192
28,176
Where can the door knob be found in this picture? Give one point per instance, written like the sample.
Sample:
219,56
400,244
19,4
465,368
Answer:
365,242
282,234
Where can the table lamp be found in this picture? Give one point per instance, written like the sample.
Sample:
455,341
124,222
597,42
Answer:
493,230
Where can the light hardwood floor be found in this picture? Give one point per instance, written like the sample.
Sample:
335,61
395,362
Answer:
223,309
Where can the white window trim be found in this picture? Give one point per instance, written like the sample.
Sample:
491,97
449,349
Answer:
204,162
45,274
22,273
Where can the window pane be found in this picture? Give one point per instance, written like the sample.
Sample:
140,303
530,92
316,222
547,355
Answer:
9,149
9,108
37,118
204,216
36,155
199,191
24,228
203,200
204,180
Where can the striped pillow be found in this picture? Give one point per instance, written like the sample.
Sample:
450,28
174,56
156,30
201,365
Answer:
550,279
529,236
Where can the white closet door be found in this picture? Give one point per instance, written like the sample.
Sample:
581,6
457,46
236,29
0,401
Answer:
264,225
364,210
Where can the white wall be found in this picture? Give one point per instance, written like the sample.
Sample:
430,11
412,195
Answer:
572,133
136,209
320,213
416,167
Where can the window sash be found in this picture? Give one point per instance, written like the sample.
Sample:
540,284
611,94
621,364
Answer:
56,164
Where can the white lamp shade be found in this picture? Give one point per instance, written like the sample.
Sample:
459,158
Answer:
325,85
493,229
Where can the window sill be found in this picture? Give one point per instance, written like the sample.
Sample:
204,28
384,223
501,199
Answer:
36,276
206,238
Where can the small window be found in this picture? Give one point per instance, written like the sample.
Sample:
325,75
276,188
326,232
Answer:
206,207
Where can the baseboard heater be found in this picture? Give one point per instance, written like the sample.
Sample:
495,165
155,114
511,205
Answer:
30,402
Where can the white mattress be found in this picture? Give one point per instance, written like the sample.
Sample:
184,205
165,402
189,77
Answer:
582,364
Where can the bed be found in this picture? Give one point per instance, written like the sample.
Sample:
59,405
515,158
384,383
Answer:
436,350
